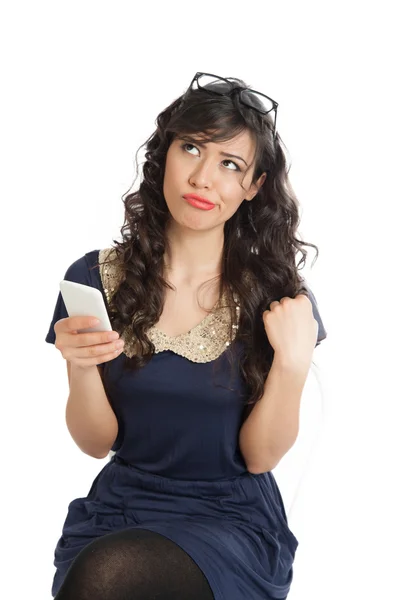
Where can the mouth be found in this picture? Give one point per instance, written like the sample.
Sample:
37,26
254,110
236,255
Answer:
198,201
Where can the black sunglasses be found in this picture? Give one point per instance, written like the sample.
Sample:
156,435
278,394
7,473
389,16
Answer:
208,82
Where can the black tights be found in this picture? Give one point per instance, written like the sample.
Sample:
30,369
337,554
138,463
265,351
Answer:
134,564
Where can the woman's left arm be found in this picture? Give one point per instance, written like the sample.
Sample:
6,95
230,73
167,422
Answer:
272,427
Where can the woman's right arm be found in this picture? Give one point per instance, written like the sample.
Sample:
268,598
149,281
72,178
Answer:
89,416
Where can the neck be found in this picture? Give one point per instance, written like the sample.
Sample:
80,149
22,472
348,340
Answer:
193,255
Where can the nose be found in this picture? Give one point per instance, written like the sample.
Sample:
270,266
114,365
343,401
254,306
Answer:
202,176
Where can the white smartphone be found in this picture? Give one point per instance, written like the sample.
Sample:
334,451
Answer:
84,301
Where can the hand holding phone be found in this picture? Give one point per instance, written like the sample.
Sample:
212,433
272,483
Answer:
78,341
85,349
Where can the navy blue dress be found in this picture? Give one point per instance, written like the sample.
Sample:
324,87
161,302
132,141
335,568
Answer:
178,471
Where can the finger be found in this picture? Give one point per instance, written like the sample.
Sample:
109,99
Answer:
101,349
93,338
91,352
88,362
69,324
272,304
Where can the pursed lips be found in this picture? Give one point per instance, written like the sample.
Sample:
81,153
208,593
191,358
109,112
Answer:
199,198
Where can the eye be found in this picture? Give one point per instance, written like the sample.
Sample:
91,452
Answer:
237,168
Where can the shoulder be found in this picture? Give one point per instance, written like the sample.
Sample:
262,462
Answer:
81,269
92,269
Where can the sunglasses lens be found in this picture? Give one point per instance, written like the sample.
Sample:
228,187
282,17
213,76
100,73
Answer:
211,83
256,101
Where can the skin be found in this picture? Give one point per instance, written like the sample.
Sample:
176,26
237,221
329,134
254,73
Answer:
196,237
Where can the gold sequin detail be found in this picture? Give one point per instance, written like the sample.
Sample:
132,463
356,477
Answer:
204,343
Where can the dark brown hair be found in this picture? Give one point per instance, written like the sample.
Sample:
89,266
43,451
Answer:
260,239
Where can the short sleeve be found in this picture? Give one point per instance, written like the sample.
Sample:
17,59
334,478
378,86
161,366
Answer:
322,334
79,271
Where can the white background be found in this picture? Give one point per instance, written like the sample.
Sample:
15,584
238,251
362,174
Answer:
82,83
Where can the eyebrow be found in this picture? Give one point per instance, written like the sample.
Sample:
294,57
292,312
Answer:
189,138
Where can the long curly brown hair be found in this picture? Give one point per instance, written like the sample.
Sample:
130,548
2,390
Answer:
260,239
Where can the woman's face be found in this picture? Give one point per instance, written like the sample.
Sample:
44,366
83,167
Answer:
192,168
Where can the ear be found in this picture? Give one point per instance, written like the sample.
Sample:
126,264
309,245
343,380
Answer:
255,187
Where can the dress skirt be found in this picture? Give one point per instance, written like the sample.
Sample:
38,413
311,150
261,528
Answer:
235,529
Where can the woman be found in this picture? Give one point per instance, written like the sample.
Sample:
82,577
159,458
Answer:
188,507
